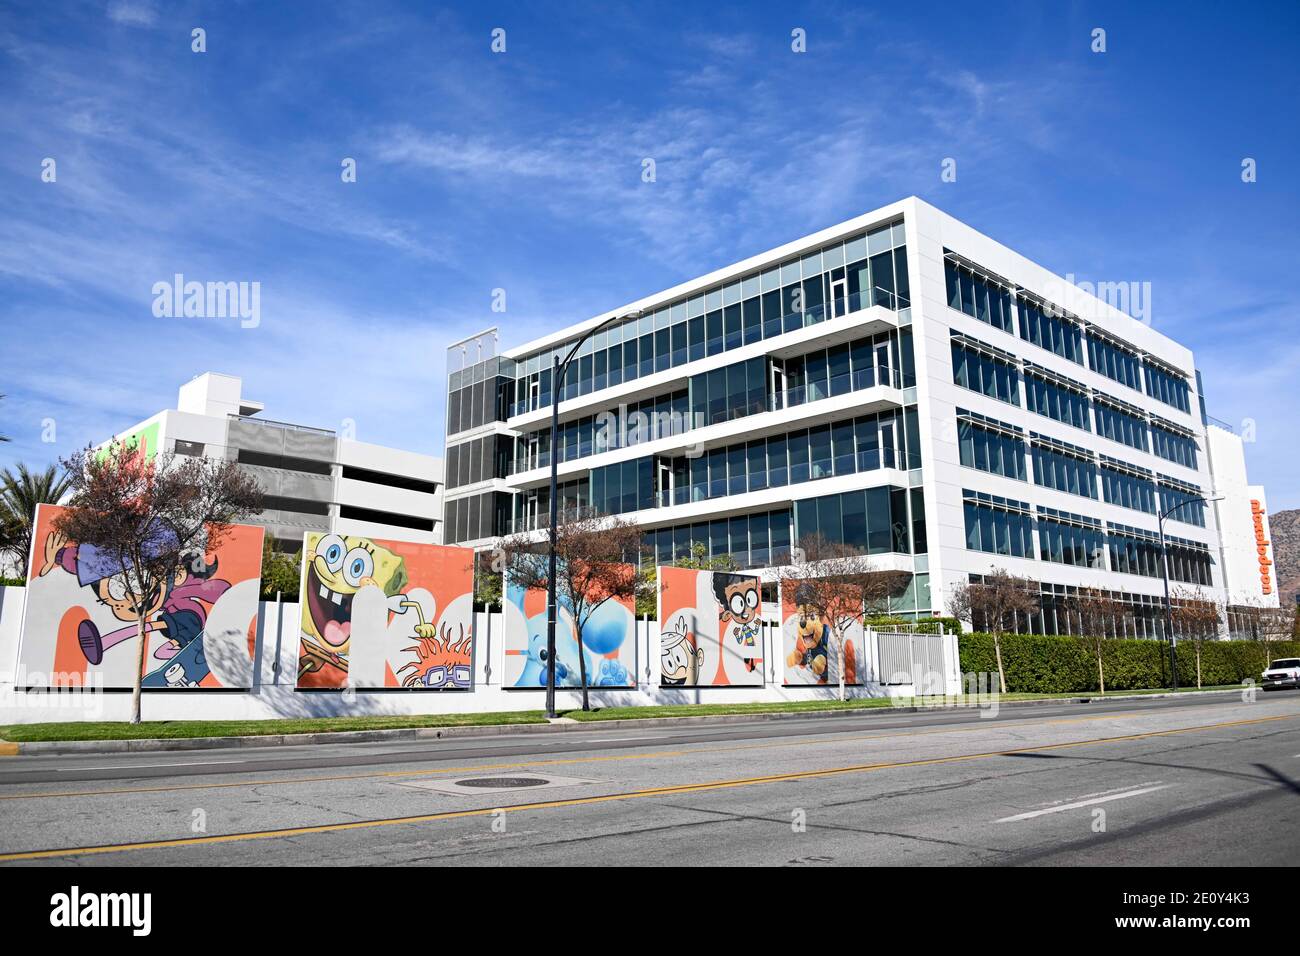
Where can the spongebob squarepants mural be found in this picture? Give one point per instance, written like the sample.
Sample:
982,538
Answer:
379,613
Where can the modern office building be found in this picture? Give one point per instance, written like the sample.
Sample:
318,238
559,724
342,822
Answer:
313,478
899,382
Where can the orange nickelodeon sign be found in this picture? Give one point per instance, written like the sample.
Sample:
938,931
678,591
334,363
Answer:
1261,548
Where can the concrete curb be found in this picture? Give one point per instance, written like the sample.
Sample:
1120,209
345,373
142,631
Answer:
152,745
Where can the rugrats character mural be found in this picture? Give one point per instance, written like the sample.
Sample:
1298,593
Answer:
714,635
81,618
381,613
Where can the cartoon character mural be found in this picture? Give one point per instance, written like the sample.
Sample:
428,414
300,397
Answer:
712,633
810,655
608,641
380,613
81,623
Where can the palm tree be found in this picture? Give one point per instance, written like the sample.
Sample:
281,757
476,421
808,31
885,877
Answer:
20,493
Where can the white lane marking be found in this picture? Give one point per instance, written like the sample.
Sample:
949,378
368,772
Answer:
1082,803
132,766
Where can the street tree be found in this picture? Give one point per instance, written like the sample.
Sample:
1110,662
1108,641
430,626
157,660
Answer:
1099,617
1196,619
995,602
843,585
597,560
21,490
145,519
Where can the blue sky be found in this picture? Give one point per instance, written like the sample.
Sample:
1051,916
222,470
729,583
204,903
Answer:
521,171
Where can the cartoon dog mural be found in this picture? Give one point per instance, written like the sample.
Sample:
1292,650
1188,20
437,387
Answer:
722,615
811,659
364,600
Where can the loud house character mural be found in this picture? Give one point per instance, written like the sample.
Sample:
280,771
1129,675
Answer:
608,641
810,656
380,613
712,632
199,628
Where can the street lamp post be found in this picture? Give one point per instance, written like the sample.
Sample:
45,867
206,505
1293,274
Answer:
552,610
1164,562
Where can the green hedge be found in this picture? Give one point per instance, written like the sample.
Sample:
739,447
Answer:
926,625
1056,664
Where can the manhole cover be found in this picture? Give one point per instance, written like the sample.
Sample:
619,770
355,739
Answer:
499,783
477,786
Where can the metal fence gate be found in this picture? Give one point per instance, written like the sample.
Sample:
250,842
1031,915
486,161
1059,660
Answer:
908,657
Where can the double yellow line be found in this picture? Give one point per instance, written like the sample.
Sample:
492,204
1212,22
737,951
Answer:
606,798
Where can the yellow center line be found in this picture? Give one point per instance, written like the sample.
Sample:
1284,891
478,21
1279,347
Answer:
559,761
606,798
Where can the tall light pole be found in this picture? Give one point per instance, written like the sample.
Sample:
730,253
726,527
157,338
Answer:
1164,562
552,611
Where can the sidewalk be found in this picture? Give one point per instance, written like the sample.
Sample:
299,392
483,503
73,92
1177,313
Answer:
559,725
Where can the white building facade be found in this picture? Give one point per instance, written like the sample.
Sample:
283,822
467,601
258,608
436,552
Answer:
314,479
899,383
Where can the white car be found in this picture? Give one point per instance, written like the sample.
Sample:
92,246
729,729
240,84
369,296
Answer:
1282,673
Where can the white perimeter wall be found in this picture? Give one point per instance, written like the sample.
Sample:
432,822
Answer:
275,667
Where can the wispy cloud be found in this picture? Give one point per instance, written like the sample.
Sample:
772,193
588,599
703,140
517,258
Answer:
133,13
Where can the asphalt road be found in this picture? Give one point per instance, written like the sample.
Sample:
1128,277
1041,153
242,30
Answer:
1157,782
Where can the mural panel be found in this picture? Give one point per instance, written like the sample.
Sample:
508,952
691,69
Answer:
608,641
810,656
710,629
79,626
380,613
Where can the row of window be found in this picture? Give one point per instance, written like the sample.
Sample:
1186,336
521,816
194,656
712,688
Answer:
751,540
1143,615
999,448
722,394
871,521
1005,526
861,444
992,372
988,300
867,270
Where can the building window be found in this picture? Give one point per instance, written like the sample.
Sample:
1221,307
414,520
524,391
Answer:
980,298
191,448
1114,361
998,525
1174,493
1178,447
1054,333
1122,426
990,445
1064,403
985,371
871,521
1133,551
1128,487
1064,467
1168,387
1072,539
